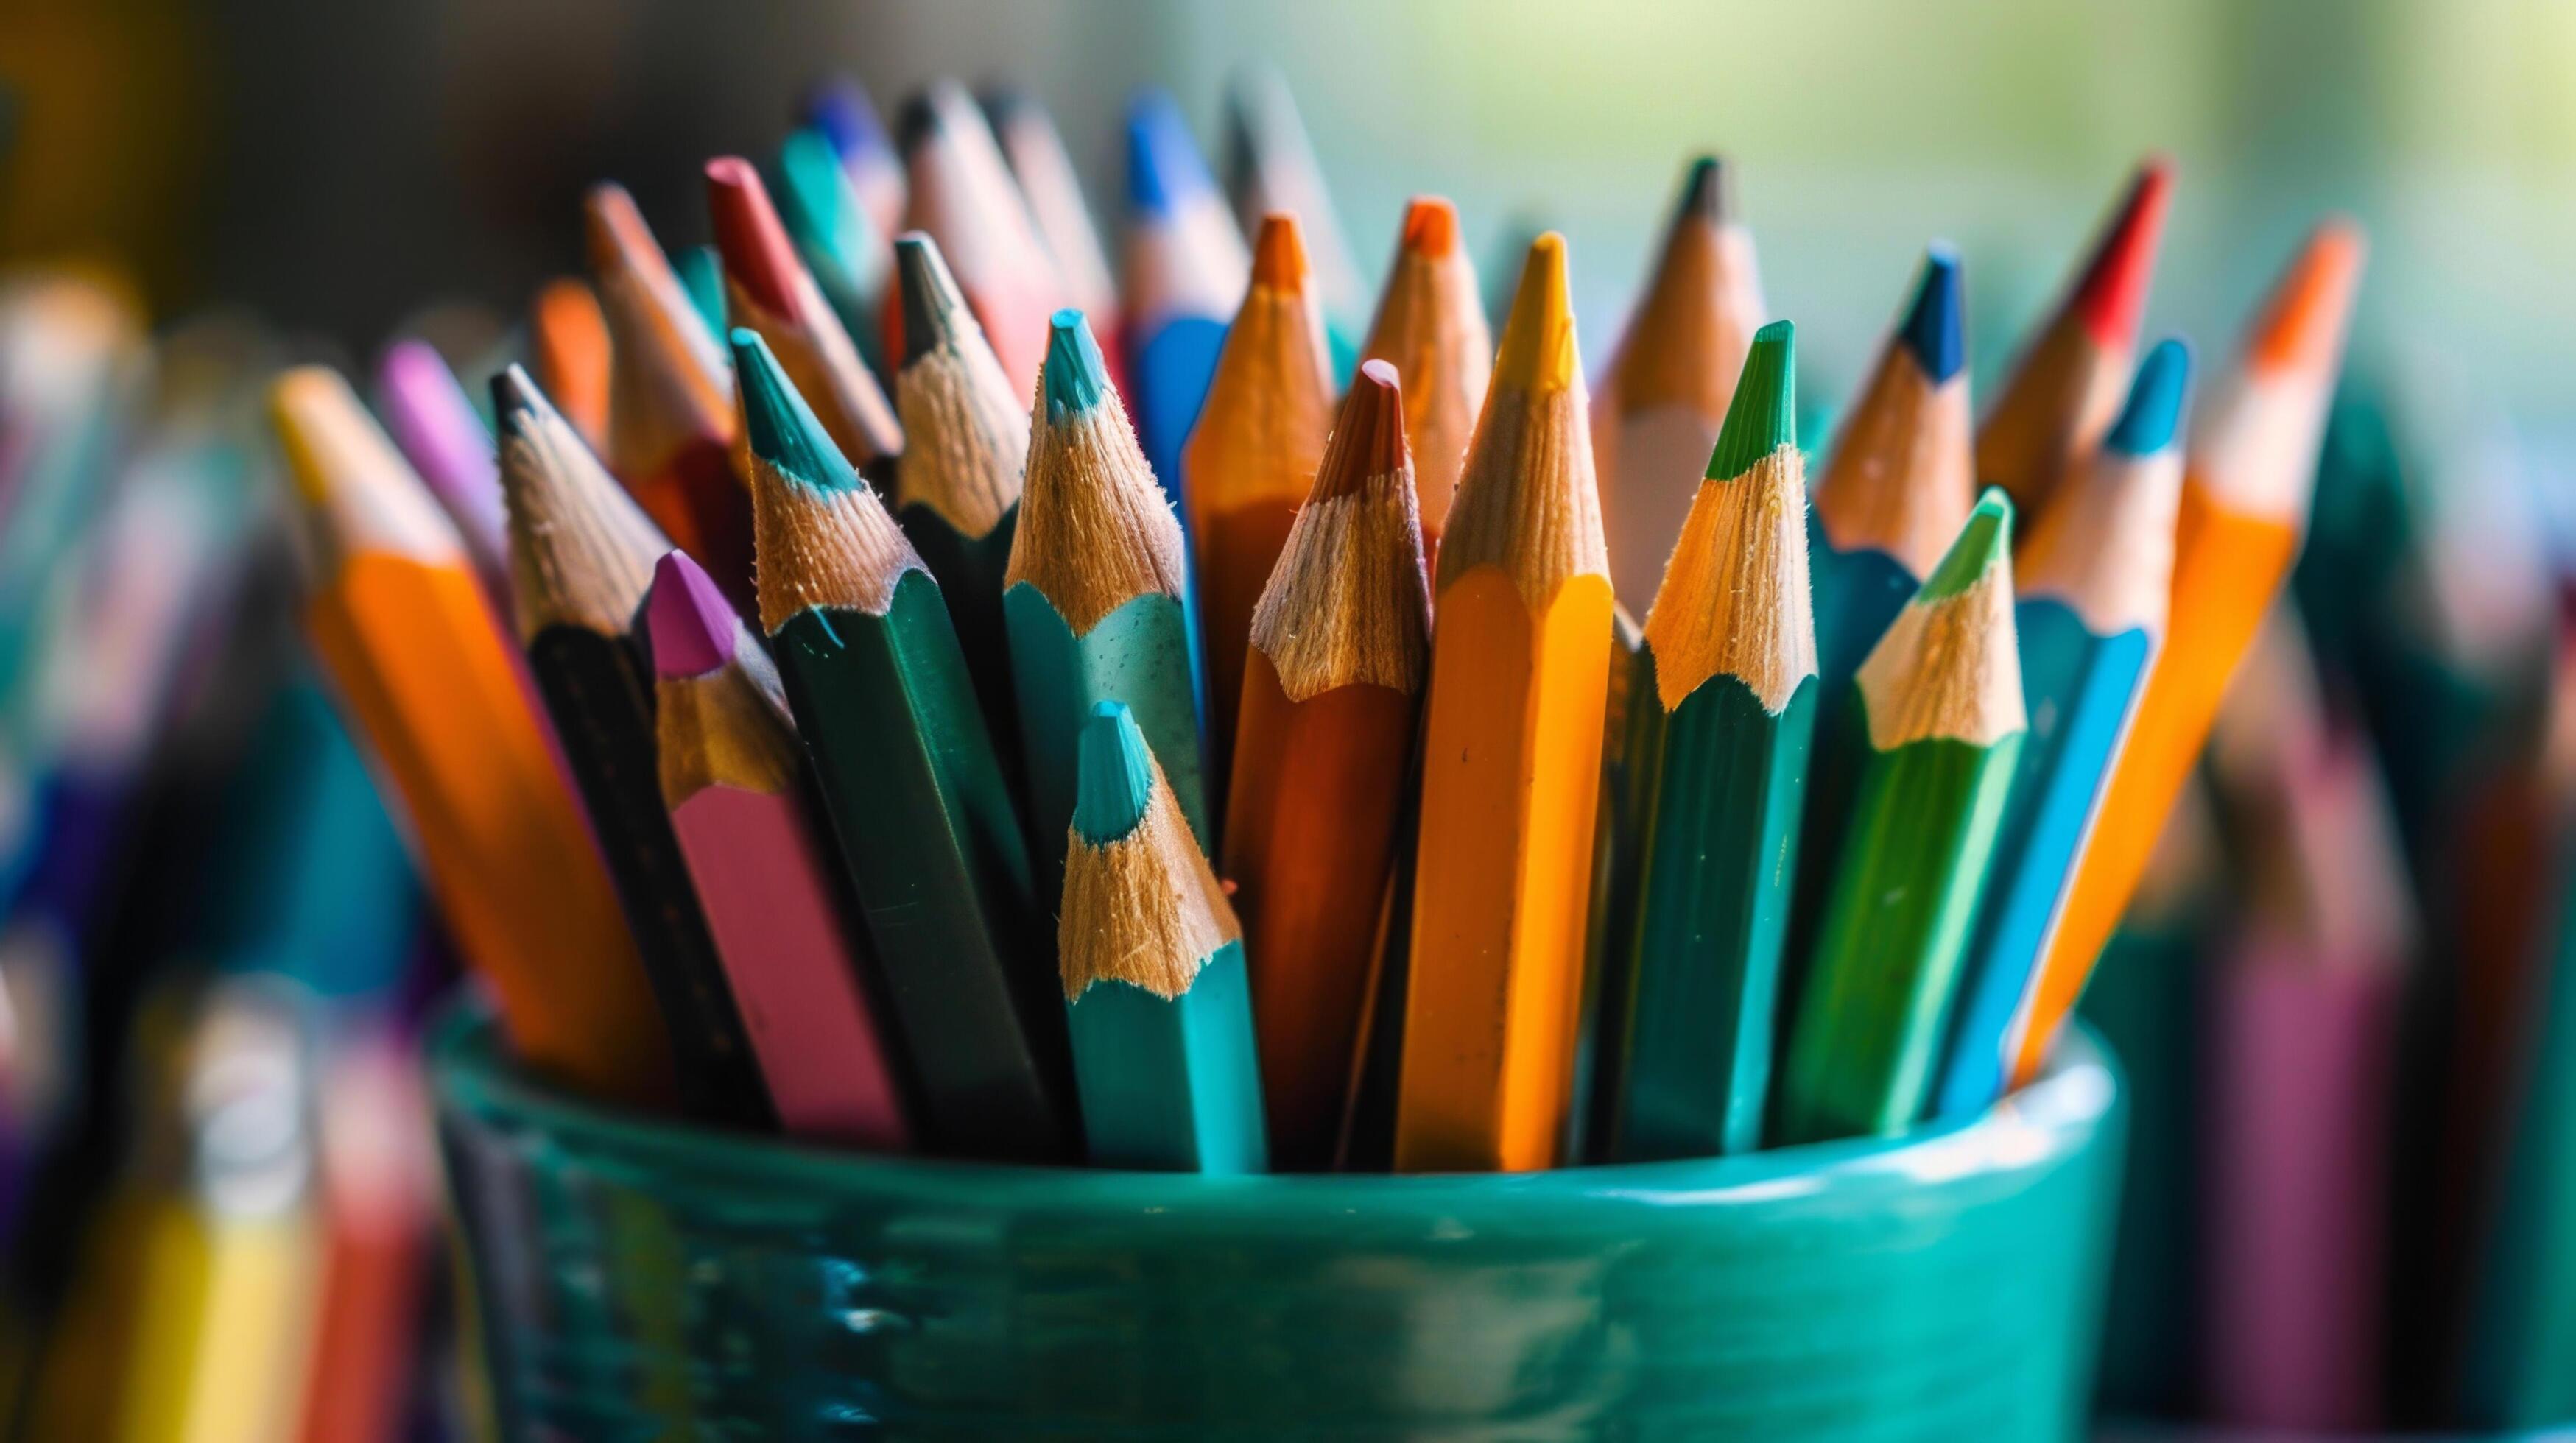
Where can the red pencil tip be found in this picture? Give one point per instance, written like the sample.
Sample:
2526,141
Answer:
2112,297
1279,255
2302,321
1368,438
1431,226
754,245
687,619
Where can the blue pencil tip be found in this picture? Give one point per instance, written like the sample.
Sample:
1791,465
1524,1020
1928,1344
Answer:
1164,167
1076,377
846,117
1113,775
2154,410
1934,328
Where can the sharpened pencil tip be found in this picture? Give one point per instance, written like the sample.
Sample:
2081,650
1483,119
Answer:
928,114
841,110
1985,541
1368,436
1538,349
2154,409
1113,775
312,407
1708,192
1279,255
517,402
814,197
933,309
1164,167
1763,416
2302,322
757,254
777,424
2112,297
1430,226
690,623
1075,376
1935,328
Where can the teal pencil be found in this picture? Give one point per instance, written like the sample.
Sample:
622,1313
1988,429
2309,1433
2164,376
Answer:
1093,598
1155,992
851,259
2094,577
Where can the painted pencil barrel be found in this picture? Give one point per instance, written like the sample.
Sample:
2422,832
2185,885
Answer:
1944,1288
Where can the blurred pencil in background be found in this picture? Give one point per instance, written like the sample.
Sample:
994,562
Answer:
1430,326
1182,266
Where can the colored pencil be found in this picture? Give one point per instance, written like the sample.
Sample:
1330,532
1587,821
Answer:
1251,461
1618,839
2068,380
1036,156
671,418
378,1188
850,259
962,196
734,782
768,290
1332,687
1663,398
911,786
842,111
400,625
440,433
568,348
2095,575
1270,168
1094,598
701,273
1152,958
2246,477
957,488
1182,270
1728,703
1520,658
1940,698
1430,325
581,557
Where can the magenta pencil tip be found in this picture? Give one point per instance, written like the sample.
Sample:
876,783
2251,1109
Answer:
689,621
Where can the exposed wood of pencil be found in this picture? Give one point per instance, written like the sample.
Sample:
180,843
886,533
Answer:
732,777
962,195
2246,477
1941,698
1512,754
401,628
1720,762
2070,376
1153,970
1665,393
1251,460
768,290
1430,325
1036,155
568,346
581,557
911,784
1331,691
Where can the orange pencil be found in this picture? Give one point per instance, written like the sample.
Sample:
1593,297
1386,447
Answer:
568,349
1520,664
769,291
1332,683
1251,459
2068,382
963,196
400,624
1430,325
1670,380
2245,491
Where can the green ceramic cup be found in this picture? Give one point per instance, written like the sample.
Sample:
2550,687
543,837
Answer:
640,1280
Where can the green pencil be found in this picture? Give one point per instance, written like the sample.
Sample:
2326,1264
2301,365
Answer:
1093,596
1721,764
832,232
1154,985
1941,705
909,780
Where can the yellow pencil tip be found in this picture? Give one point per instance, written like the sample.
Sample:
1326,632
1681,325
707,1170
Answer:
1538,352
313,409
1279,255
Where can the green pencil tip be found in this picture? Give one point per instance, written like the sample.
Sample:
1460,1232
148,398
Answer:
1076,377
780,428
1984,542
1113,775
1763,417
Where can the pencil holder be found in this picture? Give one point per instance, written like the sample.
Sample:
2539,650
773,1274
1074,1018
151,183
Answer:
635,1279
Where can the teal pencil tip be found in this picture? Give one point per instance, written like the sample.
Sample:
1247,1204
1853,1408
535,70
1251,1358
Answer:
812,197
1984,542
2154,410
1076,377
1763,417
779,427
1113,775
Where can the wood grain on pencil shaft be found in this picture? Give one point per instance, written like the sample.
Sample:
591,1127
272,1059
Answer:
1430,325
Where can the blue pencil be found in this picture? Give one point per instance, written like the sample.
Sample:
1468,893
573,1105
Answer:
1183,272
2094,580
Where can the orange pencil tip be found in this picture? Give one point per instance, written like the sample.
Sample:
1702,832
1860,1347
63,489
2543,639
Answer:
1431,226
1279,254
2301,323
1368,437
613,230
2112,297
753,243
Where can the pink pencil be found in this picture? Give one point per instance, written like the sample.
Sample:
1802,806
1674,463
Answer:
729,764
430,418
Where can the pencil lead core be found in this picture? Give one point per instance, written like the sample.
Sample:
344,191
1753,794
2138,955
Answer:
1537,353
1763,417
2154,408
2112,296
1430,226
690,622
1075,376
1934,329
1986,541
1114,778
777,424
1368,437
756,251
